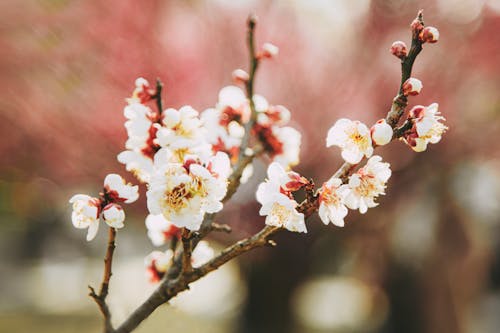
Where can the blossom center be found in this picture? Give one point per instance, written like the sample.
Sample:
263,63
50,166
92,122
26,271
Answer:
176,199
280,213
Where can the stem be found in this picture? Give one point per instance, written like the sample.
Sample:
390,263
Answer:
254,64
100,298
157,96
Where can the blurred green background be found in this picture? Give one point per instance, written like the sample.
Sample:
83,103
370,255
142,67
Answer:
426,260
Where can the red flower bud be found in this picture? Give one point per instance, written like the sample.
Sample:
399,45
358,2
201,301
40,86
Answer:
399,49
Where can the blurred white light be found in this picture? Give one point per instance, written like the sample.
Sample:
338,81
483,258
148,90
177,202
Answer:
333,303
414,232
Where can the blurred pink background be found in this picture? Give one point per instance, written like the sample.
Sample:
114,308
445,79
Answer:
426,260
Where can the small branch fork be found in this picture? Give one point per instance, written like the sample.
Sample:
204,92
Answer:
181,273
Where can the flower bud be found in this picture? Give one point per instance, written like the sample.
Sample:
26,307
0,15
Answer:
269,50
399,49
429,35
240,76
412,87
381,132
113,215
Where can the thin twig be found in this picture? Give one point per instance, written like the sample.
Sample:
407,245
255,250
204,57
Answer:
254,64
100,298
157,96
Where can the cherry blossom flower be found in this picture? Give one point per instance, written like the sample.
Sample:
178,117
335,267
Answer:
367,184
381,133
117,190
86,211
183,193
278,205
427,127
141,146
331,202
160,230
157,263
353,137
113,215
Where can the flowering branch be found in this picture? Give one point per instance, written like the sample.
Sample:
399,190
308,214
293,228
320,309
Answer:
100,298
400,102
193,165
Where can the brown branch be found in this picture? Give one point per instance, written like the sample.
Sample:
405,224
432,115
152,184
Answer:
400,102
157,96
254,64
100,298
186,251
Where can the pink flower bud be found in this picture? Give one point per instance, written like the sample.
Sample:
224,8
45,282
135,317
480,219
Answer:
429,35
399,49
412,87
240,76
269,51
381,132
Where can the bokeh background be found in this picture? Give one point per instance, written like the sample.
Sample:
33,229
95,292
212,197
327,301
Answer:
426,260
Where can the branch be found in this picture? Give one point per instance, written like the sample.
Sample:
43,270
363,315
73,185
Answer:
254,64
186,251
157,96
100,298
400,102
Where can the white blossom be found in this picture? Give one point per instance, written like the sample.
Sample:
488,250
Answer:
279,208
331,202
118,190
85,214
427,127
160,230
157,263
367,184
113,215
353,137
183,193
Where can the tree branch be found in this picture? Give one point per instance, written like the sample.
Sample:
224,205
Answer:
100,298
254,64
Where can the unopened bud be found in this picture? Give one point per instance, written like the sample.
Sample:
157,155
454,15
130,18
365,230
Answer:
399,49
429,35
381,132
240,76
269,50
412,87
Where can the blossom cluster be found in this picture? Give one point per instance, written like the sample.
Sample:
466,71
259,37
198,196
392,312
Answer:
88,211
186,159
